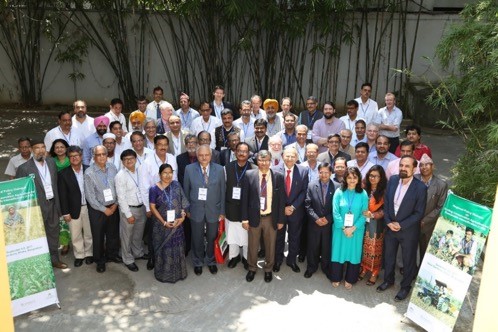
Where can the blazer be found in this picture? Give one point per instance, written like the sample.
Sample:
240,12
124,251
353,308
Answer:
314,204
304,118
436,196
295,145
28,168
250,198
326,157
182,160
214,205
225,157
220,140
69,193
171,147
253,146
226,104
232,206
412,208
297,195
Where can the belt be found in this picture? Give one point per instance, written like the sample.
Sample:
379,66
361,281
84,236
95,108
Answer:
136,206
265,215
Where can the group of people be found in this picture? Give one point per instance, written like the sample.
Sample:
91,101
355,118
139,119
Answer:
342,193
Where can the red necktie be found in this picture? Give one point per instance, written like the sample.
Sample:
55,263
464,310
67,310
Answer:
276,162
288,183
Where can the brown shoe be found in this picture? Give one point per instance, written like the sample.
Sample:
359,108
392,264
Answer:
59,265
372,280
65,250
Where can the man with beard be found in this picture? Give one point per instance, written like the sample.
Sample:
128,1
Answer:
260,139
326,126
367,107
45,173
221,133
64,131
404,207
137,119
361,159
176,136
300,143
334,141
141,107
115,113
186,113
389,119
381,156
245,122
275,123
121,143
100,123
257,112
206,123
406,149
310,115
275,145
166,110
109,141
236,235
82,123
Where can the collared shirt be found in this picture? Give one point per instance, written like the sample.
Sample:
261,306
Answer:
121,118
275,127
145,154
85,128
247,128
322,129
269,191
188,117
14,163
349,150
260,115
312,172
399,195
363,169
151,109
286,138
383,162
355,140
81,183
393,168
367,111
348,123
218,108
392,118
198,125
129,190
96,181
150,168
90,142
72,138
44,173
301,152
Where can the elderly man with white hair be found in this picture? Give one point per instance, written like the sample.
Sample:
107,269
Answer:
166,110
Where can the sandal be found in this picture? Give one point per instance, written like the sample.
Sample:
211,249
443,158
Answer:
362,275
372,280
336,284
347,285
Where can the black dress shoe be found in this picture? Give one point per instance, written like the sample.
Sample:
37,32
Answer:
88,260
150,263
294,267
115,260
233,262
308,274
268,276
402,294
301,258
246,264
144,257
78,262
213,269
198,270
385,285
250,276
276,267
261,253
100,268
132,267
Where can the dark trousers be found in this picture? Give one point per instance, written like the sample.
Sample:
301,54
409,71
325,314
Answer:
408,240
303,244
349,271
423,242
394,142
149,224
203,236
105,233
187,229
52,229
294,237
266,231
319,245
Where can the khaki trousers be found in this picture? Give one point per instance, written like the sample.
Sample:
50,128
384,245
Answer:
265,229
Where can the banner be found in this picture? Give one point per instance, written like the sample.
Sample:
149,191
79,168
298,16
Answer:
449,263
31,277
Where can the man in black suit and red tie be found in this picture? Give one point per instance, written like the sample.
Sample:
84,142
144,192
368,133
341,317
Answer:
296,184
404,208
262,212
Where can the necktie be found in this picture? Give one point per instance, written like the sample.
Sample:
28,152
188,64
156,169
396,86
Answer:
263,190
324,193
276,162
158,112
205,175
288,183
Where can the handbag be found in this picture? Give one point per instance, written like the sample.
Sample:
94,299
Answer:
220,245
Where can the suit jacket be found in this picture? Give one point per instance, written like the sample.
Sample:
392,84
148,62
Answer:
295,145
220,139
326,157
314,201
297,195
250,198
214,205
304,118
226,104
412,208
215,156
225,157
171,147
182,160
232,206
28,168
69,193
253,146
436,196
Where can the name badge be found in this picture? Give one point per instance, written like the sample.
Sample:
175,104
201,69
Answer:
170,216
223,148
308,136
139,198
262,201
203,192
49,193
236,193
348,220
108,195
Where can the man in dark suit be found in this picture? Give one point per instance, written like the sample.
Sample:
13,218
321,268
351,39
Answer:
262,212
204,137
221,133
260,140
229,155
73,207
218,104
204,186
334,142
45,173
404,207
318,205
296,184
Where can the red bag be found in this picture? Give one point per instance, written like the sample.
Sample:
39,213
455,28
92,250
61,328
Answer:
220,245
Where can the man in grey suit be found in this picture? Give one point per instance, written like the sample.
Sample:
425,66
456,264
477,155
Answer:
45,173
204,185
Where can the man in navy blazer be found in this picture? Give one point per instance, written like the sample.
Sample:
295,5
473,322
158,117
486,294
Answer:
404,208
297,177
204,186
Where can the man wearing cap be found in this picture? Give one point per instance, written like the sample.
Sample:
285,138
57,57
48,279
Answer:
437,191
137,119
152,111
109,141
115,113
47,193
64,131
275,123
185,112
141,107
100,123
82,123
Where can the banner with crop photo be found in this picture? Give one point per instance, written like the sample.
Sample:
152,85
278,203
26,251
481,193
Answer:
31,277
449,264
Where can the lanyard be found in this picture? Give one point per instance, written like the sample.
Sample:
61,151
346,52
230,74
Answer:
350,200
137,182
44,175
365,110
209,124
66,138
241,175
167,196
311,119
185,119
225,137
159,165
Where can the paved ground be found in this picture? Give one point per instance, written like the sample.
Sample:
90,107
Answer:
122,300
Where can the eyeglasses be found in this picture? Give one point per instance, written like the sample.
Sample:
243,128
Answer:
137,140
74,156
100,155
129,159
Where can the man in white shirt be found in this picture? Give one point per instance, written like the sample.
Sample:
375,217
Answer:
82,122
361,159
352,116
24,148
245,122
300,143
132,216
115,114
257,112
206,122
367,109
176,136
122,143
161,156
152,111
109,141
186,113
389,119
64,131
137,140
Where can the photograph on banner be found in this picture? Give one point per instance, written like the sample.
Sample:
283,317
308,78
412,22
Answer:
17,222
37,276
456,244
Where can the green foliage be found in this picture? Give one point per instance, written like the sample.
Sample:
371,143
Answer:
468,95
